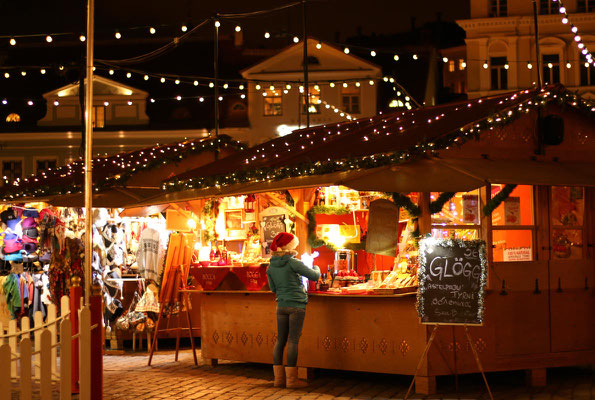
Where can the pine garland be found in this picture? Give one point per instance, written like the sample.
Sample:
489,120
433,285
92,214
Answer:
437,205
314,241
403,201
495,201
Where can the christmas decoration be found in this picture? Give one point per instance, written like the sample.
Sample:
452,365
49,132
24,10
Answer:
316,242
495,201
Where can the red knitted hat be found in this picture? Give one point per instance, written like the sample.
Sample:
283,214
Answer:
284,241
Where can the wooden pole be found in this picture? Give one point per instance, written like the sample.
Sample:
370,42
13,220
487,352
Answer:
421,360
89,152
306,80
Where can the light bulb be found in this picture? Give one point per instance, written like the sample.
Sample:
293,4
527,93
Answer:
316,87
129,102
241,87
23,73
211,85
238,28
296,39
217,24
506,66
243,96
184,28
152,30
288,86
220,98
177,81
152,100
373,53
162,80
257,87
118,35
357,84
577,38
550,65
128,75
529,65
332,84
371,82
415,57
346,50
445,59
463,65
396,57
111,71
485,65
201,99
30,102
272,87
344,84
564,20
195,83
178,98
146,77
48,39
568,65
56,103
106,103
318,45
13,41
574,29
562,10
42,71
267,35
82,38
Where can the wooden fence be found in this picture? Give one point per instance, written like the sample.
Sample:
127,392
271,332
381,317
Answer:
24,362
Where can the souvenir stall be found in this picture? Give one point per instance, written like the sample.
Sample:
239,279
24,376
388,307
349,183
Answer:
475,169
129,249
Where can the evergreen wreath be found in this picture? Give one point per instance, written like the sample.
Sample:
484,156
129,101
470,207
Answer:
495,201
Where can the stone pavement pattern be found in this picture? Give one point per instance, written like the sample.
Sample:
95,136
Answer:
128,377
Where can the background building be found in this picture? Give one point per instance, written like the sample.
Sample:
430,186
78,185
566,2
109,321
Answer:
501,46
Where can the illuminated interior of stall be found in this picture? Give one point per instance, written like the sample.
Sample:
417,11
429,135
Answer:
513,228
459,218
567,220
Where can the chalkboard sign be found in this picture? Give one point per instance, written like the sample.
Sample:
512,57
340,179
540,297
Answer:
452,277
273,224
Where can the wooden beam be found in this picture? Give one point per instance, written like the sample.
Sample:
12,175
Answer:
289,208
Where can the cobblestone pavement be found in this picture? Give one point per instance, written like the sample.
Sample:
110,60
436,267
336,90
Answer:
128,377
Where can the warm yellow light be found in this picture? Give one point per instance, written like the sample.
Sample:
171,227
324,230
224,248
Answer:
184,28
111,71
238,28
118,35
128,75
332,84
217,24
191,224
13,41
162,80
267,35
346,50
82,38
152,31
318,45
48,39
296,39
146,77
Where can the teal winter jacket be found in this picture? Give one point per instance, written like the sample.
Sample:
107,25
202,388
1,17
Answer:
285,280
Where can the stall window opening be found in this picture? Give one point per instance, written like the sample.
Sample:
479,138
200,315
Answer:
567,222
459,217
273,102
513,227
98,117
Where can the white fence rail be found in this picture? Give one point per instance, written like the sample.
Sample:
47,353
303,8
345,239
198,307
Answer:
24,363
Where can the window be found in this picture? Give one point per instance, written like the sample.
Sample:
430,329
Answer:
462,64
498,8
549,7
44,165
98,116
11,170
567,218
13,117
584,6
459,217
551,68
451,65
350,99
499,73
587,72
273,102
513,229
314,92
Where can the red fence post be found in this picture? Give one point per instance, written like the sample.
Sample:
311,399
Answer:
96,343
76,292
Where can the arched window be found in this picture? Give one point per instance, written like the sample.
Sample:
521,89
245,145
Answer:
13,117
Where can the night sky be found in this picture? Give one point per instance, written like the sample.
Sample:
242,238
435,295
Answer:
326,17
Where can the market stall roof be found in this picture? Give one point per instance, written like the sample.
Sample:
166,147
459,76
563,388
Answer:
391,152
122,178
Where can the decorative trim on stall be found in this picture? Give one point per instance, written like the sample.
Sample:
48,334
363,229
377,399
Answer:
495,201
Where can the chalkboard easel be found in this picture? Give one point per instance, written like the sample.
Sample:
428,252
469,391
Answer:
452,277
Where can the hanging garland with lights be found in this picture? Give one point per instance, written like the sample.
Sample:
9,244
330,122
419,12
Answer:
143,160
209,214
315,241
403,201
495,201
456,138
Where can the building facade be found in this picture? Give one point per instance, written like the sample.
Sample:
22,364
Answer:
501,54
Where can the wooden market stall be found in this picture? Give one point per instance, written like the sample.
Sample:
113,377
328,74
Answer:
120,180
518,172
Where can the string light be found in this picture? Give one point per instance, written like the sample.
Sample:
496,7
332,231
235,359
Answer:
296,39
577,38
217,24
48,39
195,83
13,41
373,53
128,75
346,50
177,81
319,45
6,75
485,65
184,28
118,35
82,38
162,80
267,35
238,28
414,56
529,65
42,71
23,73
146,77
152,30
111,71
106,103
396,57
445,59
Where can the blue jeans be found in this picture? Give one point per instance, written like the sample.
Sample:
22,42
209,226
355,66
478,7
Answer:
290,321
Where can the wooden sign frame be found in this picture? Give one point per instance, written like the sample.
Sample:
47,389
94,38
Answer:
478,244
